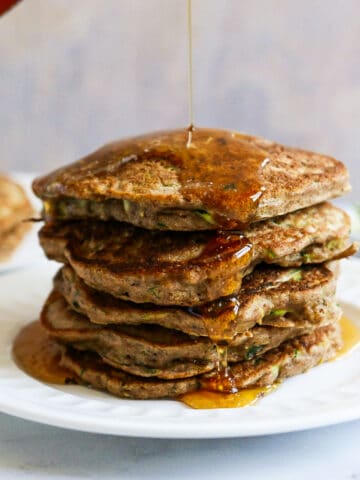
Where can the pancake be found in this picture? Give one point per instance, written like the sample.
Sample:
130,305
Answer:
222,179
150,350
188,269
291,358
269,296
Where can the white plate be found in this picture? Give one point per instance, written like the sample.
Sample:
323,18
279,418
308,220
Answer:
29,251
328,394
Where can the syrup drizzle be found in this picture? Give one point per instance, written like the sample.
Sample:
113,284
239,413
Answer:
350,336
219,318
94,243
190,131
222,380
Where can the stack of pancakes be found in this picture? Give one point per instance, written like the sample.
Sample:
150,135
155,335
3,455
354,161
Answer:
189,263
15,207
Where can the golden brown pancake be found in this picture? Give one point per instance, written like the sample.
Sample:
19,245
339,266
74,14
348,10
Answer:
223,179
269,296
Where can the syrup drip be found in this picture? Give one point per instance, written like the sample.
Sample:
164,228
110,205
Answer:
38,355
219,318
222,380
226,245
190,130
96,241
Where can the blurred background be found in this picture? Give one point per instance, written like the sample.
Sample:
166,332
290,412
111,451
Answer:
76,74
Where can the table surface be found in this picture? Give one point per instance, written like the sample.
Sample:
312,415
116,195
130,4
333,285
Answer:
32,451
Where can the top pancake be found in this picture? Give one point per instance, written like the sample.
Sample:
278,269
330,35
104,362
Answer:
222,179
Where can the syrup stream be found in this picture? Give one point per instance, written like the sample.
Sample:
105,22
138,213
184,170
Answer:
190,74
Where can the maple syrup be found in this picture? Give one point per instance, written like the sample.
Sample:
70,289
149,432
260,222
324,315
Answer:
203,399
350,337
222,379
219,318
226,245
38,355
217,248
